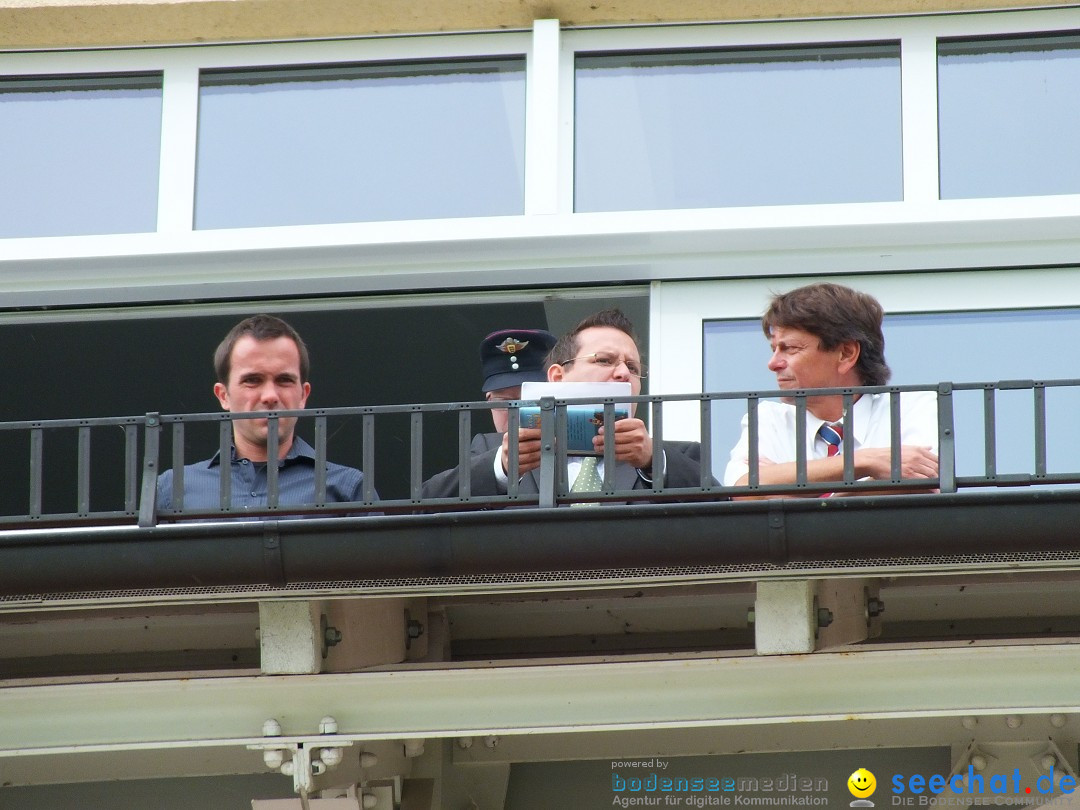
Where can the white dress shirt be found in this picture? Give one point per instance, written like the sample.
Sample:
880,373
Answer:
870,427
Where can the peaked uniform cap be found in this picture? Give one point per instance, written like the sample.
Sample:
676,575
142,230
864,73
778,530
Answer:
510,357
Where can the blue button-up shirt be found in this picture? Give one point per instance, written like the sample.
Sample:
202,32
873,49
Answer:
296,482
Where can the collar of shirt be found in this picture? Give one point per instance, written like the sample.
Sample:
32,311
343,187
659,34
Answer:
299,450
860,417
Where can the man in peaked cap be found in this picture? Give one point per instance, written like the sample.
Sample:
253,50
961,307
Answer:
601,348
510,357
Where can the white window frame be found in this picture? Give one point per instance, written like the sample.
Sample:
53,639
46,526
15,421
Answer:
548,245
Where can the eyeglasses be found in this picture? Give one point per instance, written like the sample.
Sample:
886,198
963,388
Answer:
609,360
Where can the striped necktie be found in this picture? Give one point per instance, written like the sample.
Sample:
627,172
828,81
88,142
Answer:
832,435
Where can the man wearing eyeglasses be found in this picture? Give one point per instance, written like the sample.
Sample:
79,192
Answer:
602,348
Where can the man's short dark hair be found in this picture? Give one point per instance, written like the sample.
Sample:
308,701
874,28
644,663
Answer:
260,327
568,346
835,314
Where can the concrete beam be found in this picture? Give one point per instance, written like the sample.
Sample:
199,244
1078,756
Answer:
290,637
785,620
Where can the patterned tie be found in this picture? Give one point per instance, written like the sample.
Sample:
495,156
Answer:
588,479
832,435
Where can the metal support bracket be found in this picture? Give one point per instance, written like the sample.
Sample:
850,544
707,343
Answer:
308,756
1036,767
856,608
800,616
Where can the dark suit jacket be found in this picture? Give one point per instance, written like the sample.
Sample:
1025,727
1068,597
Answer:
683,462
483,442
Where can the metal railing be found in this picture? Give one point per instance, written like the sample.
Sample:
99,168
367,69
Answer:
116,461
41,503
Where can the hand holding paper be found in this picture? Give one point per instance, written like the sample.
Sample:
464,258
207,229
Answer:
585,434
633,444
528,450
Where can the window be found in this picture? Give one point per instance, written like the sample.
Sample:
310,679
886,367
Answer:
360,143
1007,109
79,155
738,128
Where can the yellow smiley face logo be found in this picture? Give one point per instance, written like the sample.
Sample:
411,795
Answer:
862,784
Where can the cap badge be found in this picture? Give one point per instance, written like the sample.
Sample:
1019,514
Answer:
512,345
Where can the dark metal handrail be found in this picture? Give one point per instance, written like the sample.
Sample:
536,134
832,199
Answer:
36,431
143,437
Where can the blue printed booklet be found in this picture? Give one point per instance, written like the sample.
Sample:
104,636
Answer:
582,421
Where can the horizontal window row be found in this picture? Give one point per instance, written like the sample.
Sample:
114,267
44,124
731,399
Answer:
658,130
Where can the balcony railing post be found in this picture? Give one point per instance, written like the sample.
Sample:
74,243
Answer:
562,482
847,449
131,467
657,414
990,431
946,439
416,454
1038,394
609,449
178,465
895,451
273,449
705,413
800,439
320,460
547,452
83,487
148,497
513,464
368,455
753,478
37,464
225,440
465,452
